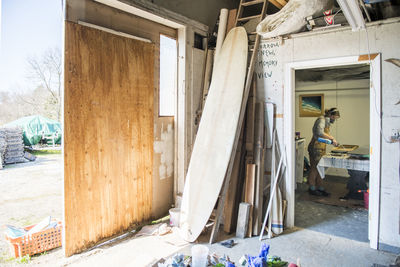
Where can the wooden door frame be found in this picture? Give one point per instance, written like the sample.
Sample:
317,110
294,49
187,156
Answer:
375,134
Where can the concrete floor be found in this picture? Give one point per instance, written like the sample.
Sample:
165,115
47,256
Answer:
324,236
311,248
338,221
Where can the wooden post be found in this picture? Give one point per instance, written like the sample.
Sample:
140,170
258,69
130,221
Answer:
249,193
250,116
258,160
207,75
231,20
243,220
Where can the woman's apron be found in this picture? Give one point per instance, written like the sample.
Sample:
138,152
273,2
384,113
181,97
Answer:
317,149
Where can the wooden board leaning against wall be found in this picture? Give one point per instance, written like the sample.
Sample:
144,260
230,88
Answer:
108,144
156,191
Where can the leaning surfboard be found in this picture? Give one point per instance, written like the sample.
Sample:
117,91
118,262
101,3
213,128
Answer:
215,137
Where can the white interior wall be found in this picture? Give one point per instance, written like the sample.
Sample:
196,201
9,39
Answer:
352,100
383,38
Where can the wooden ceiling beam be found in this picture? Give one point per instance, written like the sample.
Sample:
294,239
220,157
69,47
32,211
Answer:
276,3
282,2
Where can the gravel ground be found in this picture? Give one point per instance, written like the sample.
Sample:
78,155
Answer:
30,192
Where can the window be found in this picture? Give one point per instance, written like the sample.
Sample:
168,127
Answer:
168,75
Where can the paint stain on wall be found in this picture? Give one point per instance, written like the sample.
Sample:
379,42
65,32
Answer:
165,147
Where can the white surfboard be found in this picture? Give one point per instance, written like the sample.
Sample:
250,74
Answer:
215,137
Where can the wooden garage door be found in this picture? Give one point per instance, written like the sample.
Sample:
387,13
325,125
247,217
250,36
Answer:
108,134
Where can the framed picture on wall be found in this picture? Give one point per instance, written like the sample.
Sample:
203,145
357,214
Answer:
311,105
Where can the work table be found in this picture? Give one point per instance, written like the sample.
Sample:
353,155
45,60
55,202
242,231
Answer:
342,161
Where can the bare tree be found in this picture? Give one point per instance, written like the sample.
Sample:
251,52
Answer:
12,107
43,95
46,73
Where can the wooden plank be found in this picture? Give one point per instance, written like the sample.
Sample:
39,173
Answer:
284,205
231,20
249,193
263,185
367,57
108,135
249,18
276,3
243,220
251,3
282,2
216,136
258,159
250,116
233,195
207,75
198,66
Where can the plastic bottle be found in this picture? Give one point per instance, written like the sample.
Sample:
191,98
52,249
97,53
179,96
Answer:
323,140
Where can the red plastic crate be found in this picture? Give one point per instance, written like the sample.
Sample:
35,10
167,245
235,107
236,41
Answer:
37,242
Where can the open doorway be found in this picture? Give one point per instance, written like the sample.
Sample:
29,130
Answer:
374,132
344,169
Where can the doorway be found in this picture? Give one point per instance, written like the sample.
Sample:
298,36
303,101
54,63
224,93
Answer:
345,175
374,131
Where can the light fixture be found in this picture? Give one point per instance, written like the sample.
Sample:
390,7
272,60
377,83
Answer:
352,12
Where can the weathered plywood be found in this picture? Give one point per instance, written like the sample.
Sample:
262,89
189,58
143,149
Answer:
108,134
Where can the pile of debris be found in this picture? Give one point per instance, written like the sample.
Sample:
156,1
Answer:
14,149
206,259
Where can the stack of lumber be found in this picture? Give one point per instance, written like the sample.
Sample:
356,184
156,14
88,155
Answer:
244,190
14,152
247,179
3,145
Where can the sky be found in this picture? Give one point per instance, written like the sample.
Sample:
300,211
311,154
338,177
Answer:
28,29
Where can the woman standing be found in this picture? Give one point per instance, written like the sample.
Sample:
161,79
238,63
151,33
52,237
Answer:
316,149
